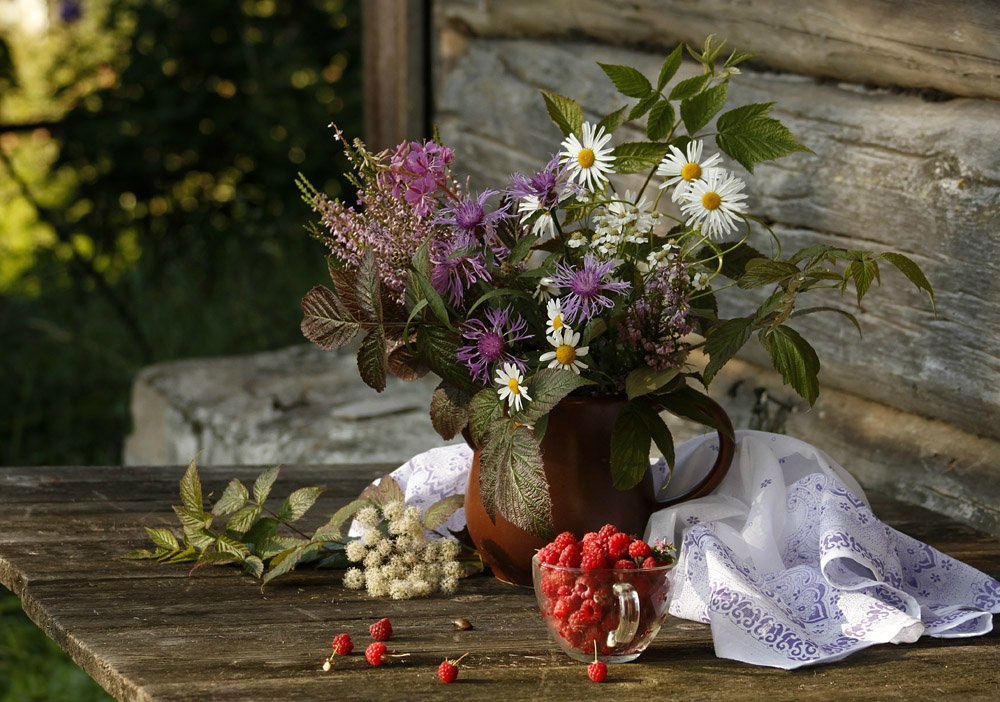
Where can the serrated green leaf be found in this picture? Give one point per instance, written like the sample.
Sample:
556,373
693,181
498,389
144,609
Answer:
512,479
499,292
243,519
643,381
439,512
254,566
282,563
406,364
699,110
689,87
734,260
262,531
227,544
298,503
233,498
660,433
750,136
722,343
564,112
628,81
325,321
485,409
139,554
368,289
643,106
345,289
638,156
449,410
373,361
863,272
191,488
185,555
630,443
333,529
613,120
548,386
263,484
385,491
163,538
765,271
795,359
911,270
661,120
669,67
215,558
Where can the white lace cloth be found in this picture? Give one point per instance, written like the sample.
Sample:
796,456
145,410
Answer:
785,560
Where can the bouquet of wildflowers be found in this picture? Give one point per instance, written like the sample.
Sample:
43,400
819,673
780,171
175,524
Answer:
562,282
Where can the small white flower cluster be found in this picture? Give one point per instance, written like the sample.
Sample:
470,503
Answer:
622,221
403,563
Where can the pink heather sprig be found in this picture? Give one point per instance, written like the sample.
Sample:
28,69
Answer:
418,172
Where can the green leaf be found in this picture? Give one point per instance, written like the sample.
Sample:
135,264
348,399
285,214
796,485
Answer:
229,545
298,503
406,364
244,518
163,538
333,528
191,489
661,120
439,512
795,359
699,110
548,386
690,404
499,292
630,442
690,87
434,299
613,120
373,361
643,106
863,272
262,485
638,156
627,80
734,260
385,491
233,497
485,409
368,289
911,270
262,531
139,554
345,288
750,136
722,343
512,479
765,271
325,321
282,563
643,381
660,433
195,523
813,310
564,112
449,410
669,67
438,347
253,566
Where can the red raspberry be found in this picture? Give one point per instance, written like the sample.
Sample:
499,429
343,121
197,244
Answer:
570,557
593,560
551,583
597,671
342,645
448,670
607,531
381,630
375,653
590,537
564,540
618,545
590,612
549,554
565,606
624,564
639,549
650,563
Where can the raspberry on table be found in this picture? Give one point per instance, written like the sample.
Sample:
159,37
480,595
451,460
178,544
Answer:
448,670
597,671
375,653
381,630
342,645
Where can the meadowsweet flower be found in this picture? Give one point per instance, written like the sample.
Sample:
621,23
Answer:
448,549
555,313
449,586
372,538
368,517
626,219
587,287
589,159
512,387
576,240
356,551
684,169
354,579
715,203
566,354
393,510
492,341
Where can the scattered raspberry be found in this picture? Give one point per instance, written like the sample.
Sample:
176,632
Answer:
639,549
624,564
597,671
570,557
375,653
563,540
448,670
650,563
342,644
618,545
381,630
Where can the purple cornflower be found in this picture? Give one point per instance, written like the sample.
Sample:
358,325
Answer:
416,172
491,342
458,265
548,186
470,218
586,286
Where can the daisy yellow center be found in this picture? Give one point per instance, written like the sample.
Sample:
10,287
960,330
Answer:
585,158
691,171
514,386
557,322
711,200
565,354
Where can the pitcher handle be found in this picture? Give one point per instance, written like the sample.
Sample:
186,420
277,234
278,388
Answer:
727,449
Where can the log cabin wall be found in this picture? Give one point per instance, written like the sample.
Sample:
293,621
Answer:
899,100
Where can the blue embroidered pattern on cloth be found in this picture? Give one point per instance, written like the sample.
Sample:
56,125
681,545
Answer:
785,560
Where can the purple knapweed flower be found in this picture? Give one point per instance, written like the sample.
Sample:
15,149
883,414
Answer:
586,286
548,186
492,341
470,218
416,172
458,265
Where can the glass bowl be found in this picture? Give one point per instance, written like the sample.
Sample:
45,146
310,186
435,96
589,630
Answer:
619,609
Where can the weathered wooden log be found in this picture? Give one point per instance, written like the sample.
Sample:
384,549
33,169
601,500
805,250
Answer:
948,46
891,172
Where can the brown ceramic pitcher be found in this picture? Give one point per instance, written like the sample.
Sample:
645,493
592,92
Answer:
576,452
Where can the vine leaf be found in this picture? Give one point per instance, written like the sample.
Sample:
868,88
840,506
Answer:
439,512
512,479
795,359
263,484
325,321
191,489
722,343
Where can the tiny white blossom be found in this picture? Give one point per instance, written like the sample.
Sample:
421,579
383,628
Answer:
368,516
452,569
356,551
354,579
371,538
699,281
449,586
393,510
576,240
449,548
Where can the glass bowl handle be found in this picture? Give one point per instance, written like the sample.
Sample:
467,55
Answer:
628,621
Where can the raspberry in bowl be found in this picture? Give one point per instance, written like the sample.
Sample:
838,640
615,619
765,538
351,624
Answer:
608,587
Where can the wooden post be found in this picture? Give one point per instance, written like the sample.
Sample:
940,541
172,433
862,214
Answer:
396,71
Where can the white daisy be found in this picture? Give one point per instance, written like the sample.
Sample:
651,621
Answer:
512,387
556,321
566,352
683,170
544,225
545,290
589,159
715,203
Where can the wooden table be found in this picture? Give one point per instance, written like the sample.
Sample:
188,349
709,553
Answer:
149,632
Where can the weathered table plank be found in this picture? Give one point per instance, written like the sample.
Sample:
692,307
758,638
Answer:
149,632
